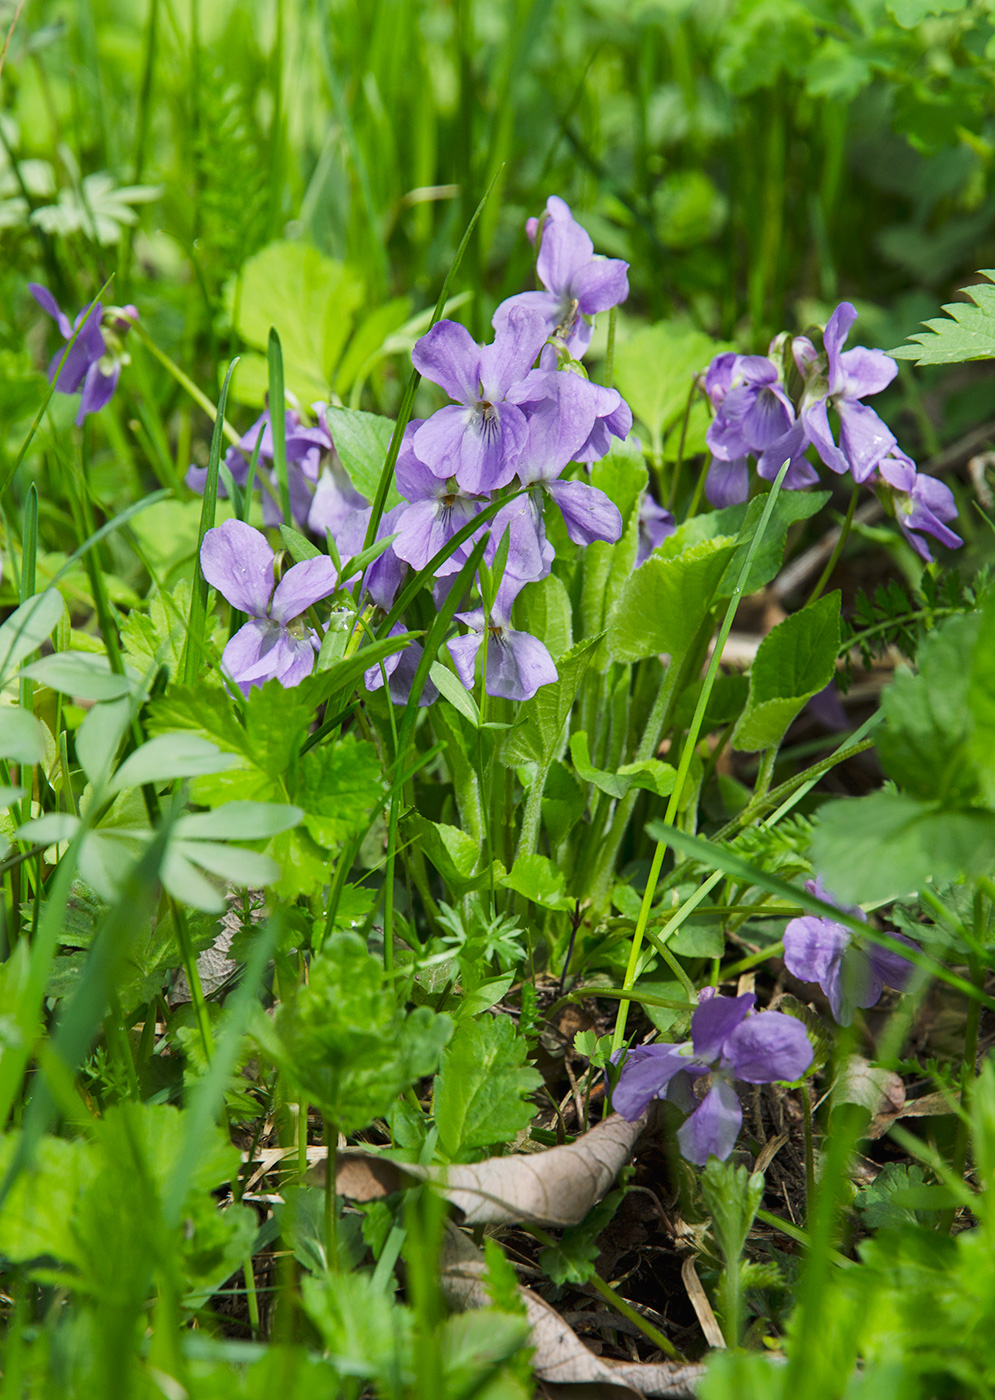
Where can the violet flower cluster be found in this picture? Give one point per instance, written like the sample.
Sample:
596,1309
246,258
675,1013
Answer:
521,411
729,1041
773,408
850,972
94,362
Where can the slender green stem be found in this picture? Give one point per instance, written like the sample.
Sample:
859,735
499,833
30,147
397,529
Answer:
686,756
838,548
620,1304
809,1150
278,422
189,959
186,382
331,1134
610,349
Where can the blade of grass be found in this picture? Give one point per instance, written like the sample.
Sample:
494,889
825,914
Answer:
278,421
727,861
407,402
198,597
687,753
43,406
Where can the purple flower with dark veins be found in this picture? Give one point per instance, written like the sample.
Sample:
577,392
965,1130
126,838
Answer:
517,663
847,377
655,525
850,973
94,363
727,1043
578,283
274,643
561,408
922,504
753,413
436,510
477,439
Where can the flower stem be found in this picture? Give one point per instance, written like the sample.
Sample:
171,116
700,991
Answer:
809,1151
610,350
834,558
331,1134
686,756
184,381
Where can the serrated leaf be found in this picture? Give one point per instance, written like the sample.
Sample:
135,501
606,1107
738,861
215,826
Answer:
539,733
877,848
480,1089
965,332
667,599
795,661
928,741
536,878
339,785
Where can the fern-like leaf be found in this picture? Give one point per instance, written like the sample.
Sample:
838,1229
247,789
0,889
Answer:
966,332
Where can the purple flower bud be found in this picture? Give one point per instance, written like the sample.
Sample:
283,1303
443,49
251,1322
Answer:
94,362
922,504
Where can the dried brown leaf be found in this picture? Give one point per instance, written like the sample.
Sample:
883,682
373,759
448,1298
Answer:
559,1355
555,1188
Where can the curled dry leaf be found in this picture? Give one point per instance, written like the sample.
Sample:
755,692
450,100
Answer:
559,1354
555,1188
929,1106
877,1090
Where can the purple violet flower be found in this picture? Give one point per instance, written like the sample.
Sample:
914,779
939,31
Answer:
727,1043
728,483
517,663
922,504
655,525
436,510
338,508
578,283
477,439
753,413
273,644
400,668
561,408
790,448
847,377
306,449
849,973
95,360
